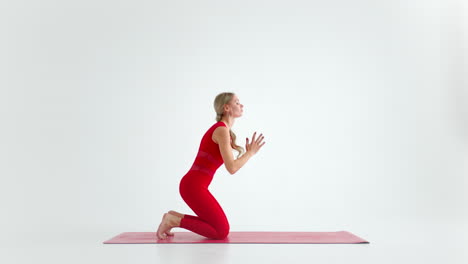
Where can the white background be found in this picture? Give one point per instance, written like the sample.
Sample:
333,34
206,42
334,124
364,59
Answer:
363,105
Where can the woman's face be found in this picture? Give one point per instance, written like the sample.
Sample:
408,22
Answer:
235,107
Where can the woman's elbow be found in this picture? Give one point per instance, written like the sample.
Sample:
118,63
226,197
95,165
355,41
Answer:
230,169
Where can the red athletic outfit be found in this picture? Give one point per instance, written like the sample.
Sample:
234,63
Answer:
210,221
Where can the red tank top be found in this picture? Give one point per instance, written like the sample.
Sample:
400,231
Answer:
209,158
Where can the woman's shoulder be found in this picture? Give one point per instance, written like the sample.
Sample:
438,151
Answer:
219,129
214,127
218,124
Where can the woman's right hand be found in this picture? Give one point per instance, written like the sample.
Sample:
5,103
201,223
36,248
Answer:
255,144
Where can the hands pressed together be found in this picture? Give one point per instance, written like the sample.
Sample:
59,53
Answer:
255,144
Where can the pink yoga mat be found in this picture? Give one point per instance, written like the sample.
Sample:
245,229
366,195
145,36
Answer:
340,237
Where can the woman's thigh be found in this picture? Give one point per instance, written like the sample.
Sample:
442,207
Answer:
204,205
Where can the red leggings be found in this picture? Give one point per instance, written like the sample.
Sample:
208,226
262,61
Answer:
210,222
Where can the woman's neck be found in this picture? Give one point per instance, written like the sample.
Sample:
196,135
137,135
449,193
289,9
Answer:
229,121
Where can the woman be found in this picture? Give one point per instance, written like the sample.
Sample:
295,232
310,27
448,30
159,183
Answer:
215,149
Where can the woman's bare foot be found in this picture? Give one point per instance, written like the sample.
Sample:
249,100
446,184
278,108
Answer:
176,214
168,222
168,232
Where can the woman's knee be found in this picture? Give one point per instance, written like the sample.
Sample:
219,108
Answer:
222,235
223,232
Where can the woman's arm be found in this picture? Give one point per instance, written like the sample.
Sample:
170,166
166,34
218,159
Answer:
222,137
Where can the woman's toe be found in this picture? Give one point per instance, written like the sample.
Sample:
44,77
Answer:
160,233
162,236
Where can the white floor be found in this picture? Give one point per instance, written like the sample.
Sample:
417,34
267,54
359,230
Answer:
405,242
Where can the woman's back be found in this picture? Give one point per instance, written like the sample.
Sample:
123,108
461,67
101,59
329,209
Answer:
208,158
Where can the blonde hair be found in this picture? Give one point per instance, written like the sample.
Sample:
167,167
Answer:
219,102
